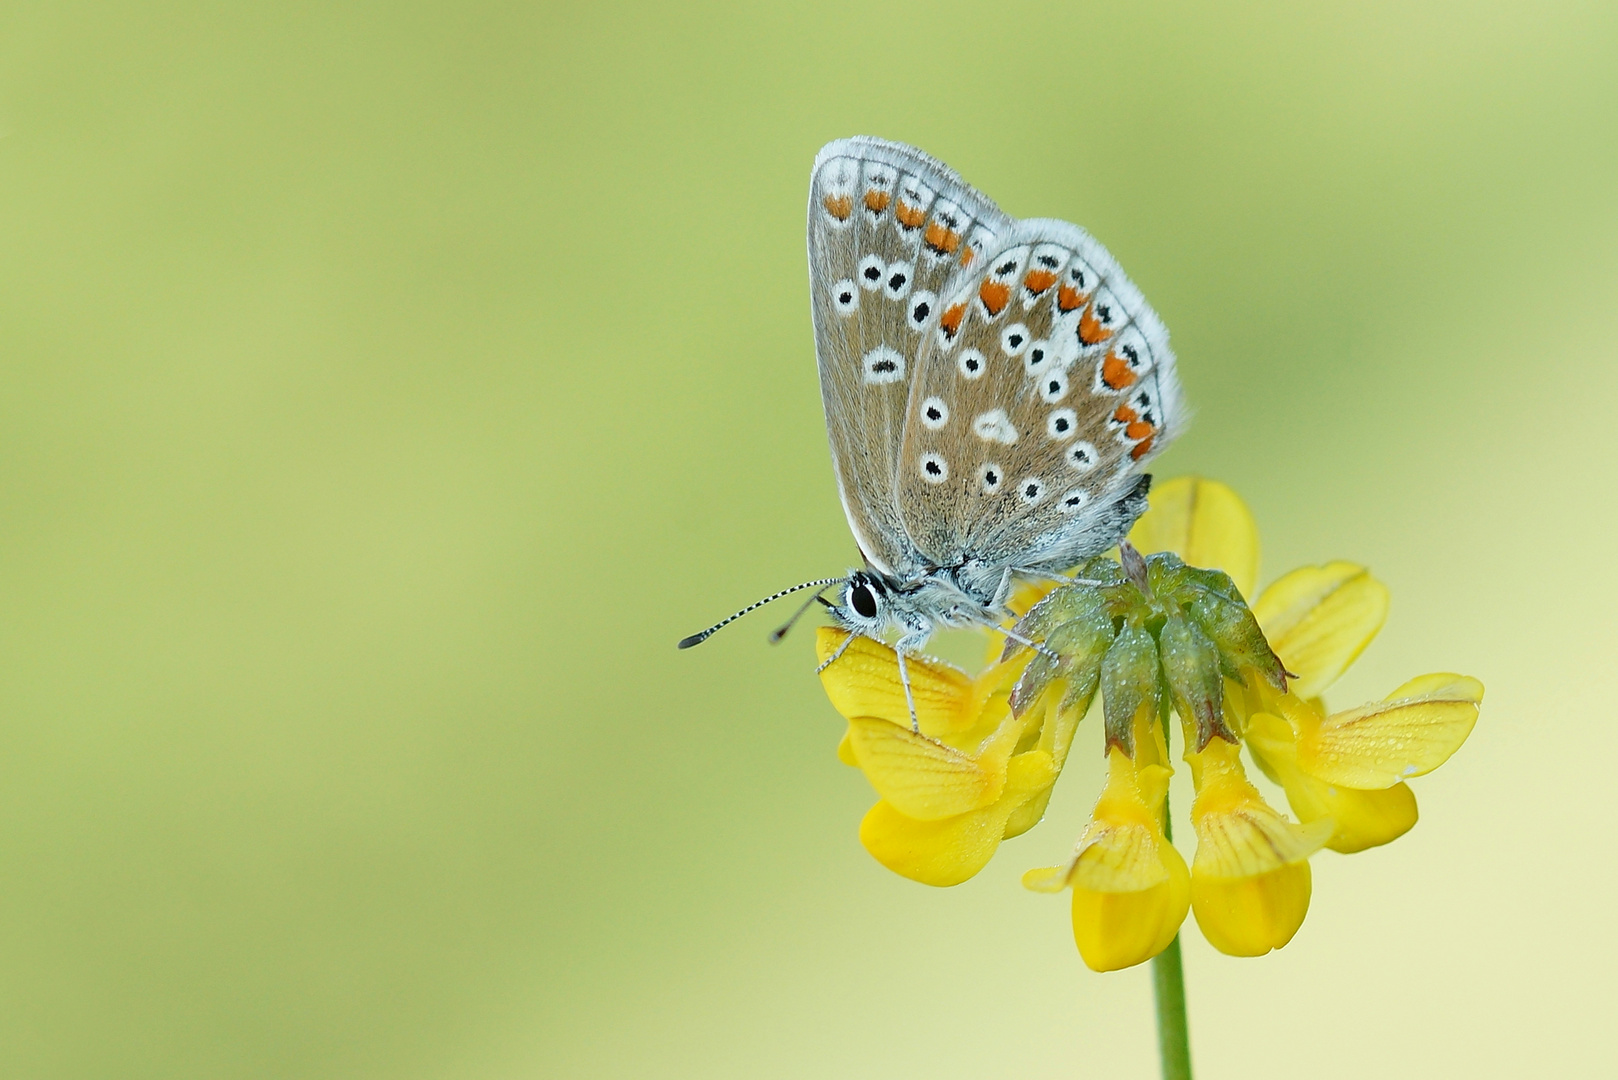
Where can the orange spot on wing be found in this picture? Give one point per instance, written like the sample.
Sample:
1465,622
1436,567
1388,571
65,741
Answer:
877,201
1140,429
1142,448
909,216
967,254
1068,298
951,320
1091,332
941,239
1125,415
840,206
1115,373
1039,280
995,295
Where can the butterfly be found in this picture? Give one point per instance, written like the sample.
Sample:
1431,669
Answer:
993,389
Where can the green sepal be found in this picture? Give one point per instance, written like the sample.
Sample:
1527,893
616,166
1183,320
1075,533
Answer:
1196,682
1129,685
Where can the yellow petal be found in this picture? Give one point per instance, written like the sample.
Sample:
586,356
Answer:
1250,916
1205,523
1046,879
1116,930
1367,819
1250,878
1361,819
941,853
1238,834
949,850
845,750
1411,732
924,779
865,682
1027,815
1319,618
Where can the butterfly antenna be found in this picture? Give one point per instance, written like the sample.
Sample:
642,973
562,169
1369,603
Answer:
780,632
698,639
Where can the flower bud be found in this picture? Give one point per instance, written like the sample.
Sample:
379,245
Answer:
1079,642
1237,635
1196,682
1129,685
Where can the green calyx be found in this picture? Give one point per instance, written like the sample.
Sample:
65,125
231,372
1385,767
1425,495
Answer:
1150,634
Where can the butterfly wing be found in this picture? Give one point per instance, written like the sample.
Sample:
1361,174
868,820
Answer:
889,228
1043,389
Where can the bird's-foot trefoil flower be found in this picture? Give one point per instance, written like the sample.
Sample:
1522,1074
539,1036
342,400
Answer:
1166,636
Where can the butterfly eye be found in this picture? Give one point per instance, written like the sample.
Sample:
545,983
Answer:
862,600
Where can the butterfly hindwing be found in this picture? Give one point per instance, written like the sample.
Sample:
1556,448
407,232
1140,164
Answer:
1045,386
889,229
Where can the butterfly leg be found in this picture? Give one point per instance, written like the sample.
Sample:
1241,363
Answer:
838,655
910,698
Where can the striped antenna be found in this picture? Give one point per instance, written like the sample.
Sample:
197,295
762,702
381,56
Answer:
698,639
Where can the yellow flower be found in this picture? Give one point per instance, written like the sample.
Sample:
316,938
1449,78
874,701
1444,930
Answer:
974,775
1157,636
1343,774
1130,886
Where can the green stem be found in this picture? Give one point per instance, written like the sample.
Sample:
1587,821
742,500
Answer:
1173,1040
1168,988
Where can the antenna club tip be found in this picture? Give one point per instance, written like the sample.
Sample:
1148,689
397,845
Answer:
694,639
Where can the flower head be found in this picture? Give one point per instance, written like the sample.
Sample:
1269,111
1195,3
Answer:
1170,635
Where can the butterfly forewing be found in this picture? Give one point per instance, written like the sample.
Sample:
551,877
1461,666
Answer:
1046,385
889,230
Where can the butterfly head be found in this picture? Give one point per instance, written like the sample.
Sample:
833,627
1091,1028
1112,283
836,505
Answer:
865,604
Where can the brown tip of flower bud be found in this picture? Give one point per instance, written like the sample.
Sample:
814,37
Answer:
1134,567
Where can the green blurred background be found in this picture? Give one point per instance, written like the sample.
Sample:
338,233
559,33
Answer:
387,387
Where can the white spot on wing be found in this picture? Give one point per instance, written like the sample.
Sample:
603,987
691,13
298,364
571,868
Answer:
934,413
1082,456
1073,501
922,308
995,426
1038,356
934,469
896,282
884,365
971,363
1061,423
1014,339
845,297
871,272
